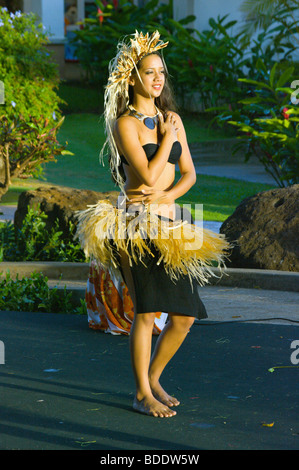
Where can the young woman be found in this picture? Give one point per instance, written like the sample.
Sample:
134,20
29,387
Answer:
160,267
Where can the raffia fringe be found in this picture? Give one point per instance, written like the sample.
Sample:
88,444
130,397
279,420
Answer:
185,249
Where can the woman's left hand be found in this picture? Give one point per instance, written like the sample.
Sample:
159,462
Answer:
153,196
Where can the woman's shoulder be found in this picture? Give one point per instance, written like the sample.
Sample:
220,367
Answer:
125,117
125,123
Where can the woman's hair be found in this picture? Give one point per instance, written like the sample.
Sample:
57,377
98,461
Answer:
118,94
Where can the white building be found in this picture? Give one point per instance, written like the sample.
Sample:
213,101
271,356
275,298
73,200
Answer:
55,13
60,17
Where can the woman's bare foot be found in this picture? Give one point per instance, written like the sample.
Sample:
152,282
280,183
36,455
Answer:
152,407
161,395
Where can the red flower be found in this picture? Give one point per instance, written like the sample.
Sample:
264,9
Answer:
211,68
190,63
100,15
285,113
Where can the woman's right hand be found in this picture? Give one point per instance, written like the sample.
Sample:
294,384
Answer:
169,126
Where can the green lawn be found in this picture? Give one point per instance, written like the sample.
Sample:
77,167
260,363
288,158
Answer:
220,196
85,137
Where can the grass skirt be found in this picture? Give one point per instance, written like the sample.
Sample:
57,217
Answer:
183,248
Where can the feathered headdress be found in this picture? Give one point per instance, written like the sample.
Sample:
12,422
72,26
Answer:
129,53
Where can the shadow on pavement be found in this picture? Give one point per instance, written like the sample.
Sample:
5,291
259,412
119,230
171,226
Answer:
66,387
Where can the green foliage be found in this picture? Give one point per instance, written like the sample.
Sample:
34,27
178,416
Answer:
29,76
33,294
33,242
206,64
209,63
260,14
263,111
275,40
97,40
29,143
30,115
268,121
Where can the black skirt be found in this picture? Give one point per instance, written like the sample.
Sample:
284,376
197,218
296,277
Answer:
156,292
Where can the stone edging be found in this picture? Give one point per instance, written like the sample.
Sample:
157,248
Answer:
76,274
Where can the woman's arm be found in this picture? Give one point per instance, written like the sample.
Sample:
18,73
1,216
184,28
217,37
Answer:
186,166
127,138
187,170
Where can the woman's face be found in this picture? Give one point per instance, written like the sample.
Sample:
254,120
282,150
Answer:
152,74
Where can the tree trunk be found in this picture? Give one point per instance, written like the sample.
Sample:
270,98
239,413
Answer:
4,170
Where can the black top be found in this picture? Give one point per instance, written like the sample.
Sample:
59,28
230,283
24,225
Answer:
151,150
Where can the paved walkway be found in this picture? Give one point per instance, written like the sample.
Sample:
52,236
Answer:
216,159
7,212
66,387
253,173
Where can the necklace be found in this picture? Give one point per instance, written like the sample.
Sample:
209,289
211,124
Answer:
149,121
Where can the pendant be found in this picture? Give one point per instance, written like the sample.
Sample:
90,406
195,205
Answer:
149,123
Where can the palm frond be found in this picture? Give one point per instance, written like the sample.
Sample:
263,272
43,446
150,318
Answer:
259,14
253,8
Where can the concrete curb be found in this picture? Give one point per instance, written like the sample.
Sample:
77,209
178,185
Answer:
52,269
75,274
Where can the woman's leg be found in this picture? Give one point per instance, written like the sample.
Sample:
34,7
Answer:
140,347
169,341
